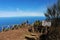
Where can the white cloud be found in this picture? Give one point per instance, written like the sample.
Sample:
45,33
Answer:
19,13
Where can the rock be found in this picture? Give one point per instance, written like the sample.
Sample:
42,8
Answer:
31,37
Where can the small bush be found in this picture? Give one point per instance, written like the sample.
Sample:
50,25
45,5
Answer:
36,25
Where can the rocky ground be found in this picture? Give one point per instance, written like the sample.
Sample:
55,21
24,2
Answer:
17,34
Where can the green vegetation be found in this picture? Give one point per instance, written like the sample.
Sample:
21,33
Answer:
15,26
37,23
5,29
53,14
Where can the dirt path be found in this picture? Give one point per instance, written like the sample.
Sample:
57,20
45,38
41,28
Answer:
18,34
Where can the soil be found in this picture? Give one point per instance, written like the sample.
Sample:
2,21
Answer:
18,34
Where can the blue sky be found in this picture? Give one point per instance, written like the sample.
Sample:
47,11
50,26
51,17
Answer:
20,8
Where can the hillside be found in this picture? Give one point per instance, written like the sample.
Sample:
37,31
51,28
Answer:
18,34
24,33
